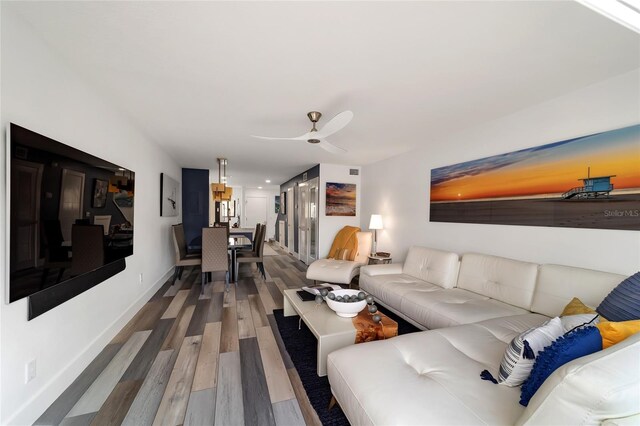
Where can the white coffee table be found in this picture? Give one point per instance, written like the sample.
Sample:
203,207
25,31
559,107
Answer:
333,332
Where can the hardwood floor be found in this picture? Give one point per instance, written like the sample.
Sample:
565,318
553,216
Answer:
188,358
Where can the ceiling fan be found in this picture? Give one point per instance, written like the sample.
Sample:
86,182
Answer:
315,136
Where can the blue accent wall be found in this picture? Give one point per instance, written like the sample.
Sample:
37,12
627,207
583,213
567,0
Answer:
195,205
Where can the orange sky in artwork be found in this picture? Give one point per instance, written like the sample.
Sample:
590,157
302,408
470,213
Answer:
552,172
341,190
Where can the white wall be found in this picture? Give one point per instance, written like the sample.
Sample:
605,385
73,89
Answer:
330,225
399,188
41,93
269,192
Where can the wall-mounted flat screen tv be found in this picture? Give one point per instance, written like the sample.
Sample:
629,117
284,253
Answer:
70,215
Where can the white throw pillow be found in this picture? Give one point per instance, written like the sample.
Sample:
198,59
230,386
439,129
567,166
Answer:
575,321
521,353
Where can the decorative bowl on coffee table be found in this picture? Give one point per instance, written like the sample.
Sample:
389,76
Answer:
346,309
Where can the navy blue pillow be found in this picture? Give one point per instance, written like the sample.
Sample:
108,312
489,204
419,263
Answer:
578,343
623,303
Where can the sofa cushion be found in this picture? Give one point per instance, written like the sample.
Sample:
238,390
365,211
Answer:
434,266
446,308
558,284
507,280
593,388
381,269
429,377
390,288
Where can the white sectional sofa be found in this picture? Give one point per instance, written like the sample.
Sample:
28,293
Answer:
475,307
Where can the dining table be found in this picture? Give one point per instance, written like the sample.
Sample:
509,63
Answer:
242,232
236,243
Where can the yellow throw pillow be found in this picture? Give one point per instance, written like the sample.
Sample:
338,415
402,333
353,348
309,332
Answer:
616,332
576,307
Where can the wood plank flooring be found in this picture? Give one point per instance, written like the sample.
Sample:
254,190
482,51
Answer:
197,358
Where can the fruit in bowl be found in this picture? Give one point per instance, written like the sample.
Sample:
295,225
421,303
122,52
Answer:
346,303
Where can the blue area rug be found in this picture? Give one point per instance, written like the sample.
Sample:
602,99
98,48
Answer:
302,348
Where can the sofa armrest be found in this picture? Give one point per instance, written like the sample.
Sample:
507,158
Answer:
374,270
623,421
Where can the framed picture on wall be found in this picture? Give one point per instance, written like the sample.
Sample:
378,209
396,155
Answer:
341,199
591,181
100,188
168,196
277,204
283,203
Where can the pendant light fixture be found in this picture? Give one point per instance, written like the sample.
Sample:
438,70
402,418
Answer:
220,190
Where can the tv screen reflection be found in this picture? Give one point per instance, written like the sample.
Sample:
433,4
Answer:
70,212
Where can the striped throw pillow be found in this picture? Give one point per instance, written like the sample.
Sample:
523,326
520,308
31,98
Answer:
521,353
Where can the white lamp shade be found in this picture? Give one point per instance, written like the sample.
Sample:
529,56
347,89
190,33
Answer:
375,222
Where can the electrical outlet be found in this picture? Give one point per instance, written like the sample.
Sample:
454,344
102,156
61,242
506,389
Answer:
140,278
30,371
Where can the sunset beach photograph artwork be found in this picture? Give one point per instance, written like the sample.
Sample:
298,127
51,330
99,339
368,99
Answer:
341,199
586,182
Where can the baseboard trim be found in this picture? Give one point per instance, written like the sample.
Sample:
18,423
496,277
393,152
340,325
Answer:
32,409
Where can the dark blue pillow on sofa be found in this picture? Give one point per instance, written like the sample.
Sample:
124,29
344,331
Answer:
623,303
578,343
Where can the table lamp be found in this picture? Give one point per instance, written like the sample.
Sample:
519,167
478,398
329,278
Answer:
375,223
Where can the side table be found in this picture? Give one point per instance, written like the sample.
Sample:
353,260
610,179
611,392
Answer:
374,260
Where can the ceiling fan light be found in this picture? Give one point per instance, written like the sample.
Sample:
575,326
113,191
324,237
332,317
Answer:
314,116
318,137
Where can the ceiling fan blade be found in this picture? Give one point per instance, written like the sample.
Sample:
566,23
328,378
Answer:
324,144
335,124
297,138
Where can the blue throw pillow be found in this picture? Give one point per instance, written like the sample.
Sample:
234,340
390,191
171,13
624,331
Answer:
578,343
623,303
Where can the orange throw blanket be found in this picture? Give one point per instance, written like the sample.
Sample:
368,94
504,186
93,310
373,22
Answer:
368,331
345,239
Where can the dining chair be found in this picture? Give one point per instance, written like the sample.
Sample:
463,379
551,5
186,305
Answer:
182,258
222,225
183,241
255,239
215,256
87,248
104,220
254,257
